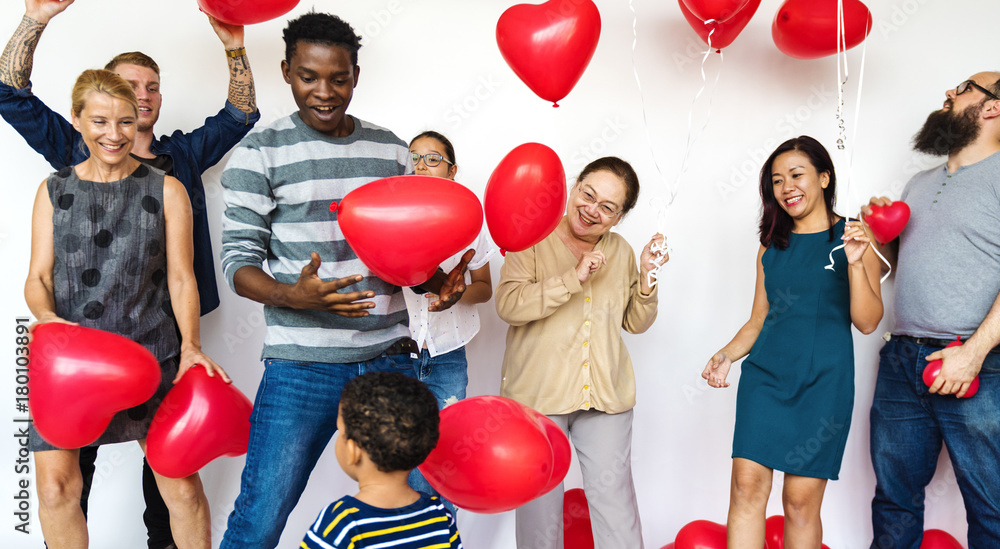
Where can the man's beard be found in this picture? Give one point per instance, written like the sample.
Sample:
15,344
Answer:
946,132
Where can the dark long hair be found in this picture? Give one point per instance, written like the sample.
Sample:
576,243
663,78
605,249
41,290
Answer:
775,223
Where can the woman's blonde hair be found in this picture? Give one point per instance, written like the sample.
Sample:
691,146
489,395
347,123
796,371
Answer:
102,81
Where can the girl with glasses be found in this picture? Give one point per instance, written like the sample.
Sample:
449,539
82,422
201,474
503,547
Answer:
442,336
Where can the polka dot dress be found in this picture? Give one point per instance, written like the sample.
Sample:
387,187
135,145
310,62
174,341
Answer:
110,273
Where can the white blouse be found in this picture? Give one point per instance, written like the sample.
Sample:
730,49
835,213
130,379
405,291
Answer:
447,330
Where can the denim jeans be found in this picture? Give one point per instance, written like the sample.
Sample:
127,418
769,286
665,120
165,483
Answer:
446,376
908,426
294,417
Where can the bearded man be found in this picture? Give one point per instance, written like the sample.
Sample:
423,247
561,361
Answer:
947,288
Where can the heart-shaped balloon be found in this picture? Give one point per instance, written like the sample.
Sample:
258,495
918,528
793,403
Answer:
403,227
774,533
578,532
701,534
721,33
241,12
933,369
561,451
807,29
81,377
491,456
887,222
548,46
200,419
939,539
714,10
525,197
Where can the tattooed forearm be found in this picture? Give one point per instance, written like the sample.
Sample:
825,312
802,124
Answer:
19,55
241,88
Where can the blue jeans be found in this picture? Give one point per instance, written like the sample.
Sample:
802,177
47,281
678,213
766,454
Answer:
294,417
446,376
908,426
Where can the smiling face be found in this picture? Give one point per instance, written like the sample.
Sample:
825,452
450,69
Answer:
798,187
146,85
429,145
323,81
595,205
108,127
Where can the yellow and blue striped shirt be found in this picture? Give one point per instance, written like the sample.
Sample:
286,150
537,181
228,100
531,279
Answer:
351,524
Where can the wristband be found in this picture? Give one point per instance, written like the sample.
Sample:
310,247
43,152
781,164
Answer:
238,52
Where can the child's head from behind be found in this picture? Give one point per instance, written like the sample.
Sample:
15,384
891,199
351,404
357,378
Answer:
392,418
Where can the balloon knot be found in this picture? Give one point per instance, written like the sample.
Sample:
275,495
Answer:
333,206
711,22
555,105
503,252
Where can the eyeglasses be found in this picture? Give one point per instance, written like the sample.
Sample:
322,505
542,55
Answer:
603,207
964,87
431,160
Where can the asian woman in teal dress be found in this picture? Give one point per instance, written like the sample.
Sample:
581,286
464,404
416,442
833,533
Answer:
796,389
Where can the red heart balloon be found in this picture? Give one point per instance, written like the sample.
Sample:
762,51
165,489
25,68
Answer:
725,31
561,451
577,530
491,456
200,419
403,227
807,29
525,197
548,46
774,533
939,539
717,10
241,12
701,534
81,377
933,369
887,222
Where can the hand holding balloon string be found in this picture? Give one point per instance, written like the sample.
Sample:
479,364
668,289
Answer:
654,256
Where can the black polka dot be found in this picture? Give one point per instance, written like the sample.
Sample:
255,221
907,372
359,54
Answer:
93,310
91,277
66,201
125,325
150,204
138,413
153,248
96,213
158,276
167,308
132,266
71,243
141,172
64,173
123,228
103,238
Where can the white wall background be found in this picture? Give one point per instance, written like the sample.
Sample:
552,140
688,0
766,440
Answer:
434,65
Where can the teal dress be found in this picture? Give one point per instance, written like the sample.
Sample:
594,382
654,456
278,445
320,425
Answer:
796,391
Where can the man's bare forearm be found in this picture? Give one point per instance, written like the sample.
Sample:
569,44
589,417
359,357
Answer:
19,55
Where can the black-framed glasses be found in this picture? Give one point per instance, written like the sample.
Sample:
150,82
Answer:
431,160
964,87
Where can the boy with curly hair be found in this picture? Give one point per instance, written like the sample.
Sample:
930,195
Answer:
388,425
